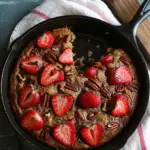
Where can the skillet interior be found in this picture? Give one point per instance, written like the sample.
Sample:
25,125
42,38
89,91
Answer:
92,34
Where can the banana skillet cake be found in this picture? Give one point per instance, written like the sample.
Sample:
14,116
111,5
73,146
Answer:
64,107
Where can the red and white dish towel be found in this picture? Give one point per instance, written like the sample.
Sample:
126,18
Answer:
140,140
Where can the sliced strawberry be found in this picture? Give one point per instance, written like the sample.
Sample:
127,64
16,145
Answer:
120,104
93,134
89,100
28,97
65,133
66,57
61,104
107,59
46,40
32,64
32,120
51,75
121,75
90,72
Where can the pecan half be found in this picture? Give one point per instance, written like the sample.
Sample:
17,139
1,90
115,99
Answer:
45,100
125,60
93,83
100,66
105,92
58,40
71,86
132,86
45,133
112,125
119,88
81,114
52,55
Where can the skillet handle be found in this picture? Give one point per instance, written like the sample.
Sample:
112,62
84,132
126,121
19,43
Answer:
130,29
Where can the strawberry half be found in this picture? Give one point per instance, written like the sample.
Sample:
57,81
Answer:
93,134
121,75
61,104
89,100
46,40
28,97
65,133
51,75
107,59
32,120
66,57
32,64
90,72
121,105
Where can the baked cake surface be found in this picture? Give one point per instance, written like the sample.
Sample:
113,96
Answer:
64,107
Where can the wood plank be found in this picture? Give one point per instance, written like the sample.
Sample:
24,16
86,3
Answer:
124,10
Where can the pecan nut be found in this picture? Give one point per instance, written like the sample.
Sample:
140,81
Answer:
71,86
58,40
45,100
105,92
93,83
119,88
112,125
45,133
132,86
125,60
81,115
100,66
52,55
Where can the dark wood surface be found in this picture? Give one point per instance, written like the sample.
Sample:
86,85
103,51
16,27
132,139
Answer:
124,10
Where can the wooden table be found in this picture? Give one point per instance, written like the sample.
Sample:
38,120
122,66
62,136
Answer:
124,10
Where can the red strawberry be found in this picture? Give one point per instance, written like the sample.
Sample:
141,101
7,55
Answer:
93,134
107,59
46,40
90,72
32,120
61,104
121,75
89,100
65,133
32,64
121,105
28,97
66,57
51,75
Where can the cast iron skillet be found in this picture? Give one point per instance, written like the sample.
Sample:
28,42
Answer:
95,35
